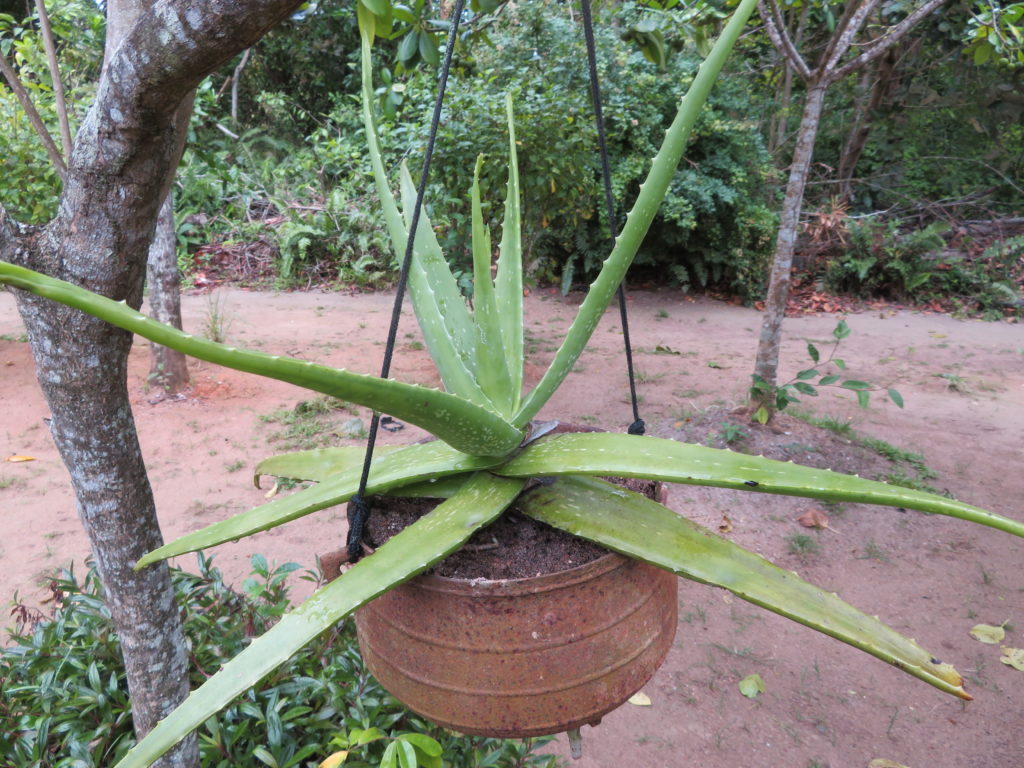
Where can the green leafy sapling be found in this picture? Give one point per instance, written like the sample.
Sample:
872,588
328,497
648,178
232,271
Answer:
484,457
803,382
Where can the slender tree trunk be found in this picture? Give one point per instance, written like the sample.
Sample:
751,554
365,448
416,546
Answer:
81,364
778,286
874,85
168,368
119,172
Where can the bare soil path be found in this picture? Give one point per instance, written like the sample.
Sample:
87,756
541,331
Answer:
825,704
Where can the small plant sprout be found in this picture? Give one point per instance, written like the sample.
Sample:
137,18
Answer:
782,395
488,449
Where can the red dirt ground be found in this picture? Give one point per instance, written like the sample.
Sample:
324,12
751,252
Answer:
826,704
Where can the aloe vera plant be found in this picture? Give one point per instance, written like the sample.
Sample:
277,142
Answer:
483,458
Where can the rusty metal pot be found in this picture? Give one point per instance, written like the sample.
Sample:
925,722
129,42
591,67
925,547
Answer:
522,657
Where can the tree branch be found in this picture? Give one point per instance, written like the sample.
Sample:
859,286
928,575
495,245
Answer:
773,22
37,122
849,33
892,36
58,86
14,240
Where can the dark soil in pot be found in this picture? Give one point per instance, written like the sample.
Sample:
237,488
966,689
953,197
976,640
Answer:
514,546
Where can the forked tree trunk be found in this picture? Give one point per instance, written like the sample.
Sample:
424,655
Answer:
767,363
117,176
168,368
827,71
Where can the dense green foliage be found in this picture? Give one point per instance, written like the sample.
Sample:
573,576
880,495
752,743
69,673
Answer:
715,227
29,183
880,260
286,175
64,701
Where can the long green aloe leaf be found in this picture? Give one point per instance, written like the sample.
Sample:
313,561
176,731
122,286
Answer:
671,461
390,469
410,552
465,426
638,527
441,310
443,317
508,280
491,366
319,464
652,192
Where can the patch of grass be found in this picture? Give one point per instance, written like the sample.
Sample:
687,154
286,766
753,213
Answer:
802,545
310,424
903,480
234,466
21,337
689,393
217,321
874,552
9,482
644,377
955,383
833,424
730,433
661,314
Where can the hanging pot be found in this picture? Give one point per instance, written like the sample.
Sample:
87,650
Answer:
521,657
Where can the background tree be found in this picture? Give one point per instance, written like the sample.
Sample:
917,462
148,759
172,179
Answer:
833,64
118,174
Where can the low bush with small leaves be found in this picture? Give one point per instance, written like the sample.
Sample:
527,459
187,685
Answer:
783,395
64,700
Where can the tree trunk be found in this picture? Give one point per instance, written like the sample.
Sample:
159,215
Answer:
168,369
874,85
82,364
767,363
119,172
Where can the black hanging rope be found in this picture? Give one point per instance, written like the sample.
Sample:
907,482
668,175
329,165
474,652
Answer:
637,427
359,509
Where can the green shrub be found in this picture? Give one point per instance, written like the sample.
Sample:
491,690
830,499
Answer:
715,229
64,701
880,260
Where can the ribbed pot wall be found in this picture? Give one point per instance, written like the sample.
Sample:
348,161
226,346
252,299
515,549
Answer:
522,657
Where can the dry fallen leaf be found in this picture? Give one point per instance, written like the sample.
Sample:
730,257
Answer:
272,492
640,699
726,525
333,761
881,762
1013,657
751,685
986,633
814,518
15,459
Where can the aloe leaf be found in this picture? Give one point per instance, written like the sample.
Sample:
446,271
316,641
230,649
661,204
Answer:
319,464
638,527
388,470
652,192
443,318
671,461
490,354
410,552
440,309
508,280
465,426
439,488
392,216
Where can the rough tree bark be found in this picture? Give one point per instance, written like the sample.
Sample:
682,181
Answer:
829,69
168,369
118,175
